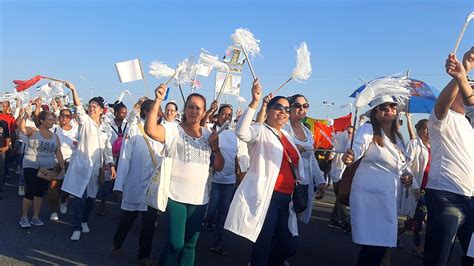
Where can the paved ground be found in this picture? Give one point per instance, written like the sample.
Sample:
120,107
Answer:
50,244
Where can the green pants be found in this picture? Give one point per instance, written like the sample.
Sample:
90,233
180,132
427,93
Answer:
184,226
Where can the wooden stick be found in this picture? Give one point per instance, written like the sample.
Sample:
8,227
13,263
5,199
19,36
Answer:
172,77
144,78
222,86
181,91
53,79
281,86
355,126
250,64
462,32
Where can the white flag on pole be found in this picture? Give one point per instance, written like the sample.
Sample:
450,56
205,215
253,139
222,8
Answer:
232,87
129,70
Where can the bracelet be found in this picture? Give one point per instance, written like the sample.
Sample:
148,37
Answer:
467,97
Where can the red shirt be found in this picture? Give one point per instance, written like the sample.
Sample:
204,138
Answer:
10,120
286,182
424,181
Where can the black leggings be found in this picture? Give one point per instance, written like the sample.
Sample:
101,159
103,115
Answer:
34,185
371,255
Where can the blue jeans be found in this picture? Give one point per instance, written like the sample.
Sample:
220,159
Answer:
82,208
275,243
449,214
221,196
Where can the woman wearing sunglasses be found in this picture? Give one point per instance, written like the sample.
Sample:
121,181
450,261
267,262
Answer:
381,172
303,138
67,134
261,210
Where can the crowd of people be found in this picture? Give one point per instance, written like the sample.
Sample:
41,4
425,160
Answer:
252,172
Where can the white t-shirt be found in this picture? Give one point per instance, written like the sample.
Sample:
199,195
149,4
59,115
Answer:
229,150
452,154
191,158
68,139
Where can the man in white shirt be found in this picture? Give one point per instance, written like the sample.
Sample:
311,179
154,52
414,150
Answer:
451,177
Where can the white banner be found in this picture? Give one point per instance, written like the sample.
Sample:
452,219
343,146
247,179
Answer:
129,70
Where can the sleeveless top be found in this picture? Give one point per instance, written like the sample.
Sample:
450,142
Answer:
40,152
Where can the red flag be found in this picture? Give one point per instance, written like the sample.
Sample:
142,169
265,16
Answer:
341,123
322,136
22,85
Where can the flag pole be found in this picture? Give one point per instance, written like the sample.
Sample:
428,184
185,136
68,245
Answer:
144,78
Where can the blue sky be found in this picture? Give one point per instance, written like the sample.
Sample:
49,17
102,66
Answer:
347,40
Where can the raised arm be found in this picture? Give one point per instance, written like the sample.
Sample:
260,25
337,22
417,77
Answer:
152,128
242,129
75,96
27,131
411,132
262,114
209,113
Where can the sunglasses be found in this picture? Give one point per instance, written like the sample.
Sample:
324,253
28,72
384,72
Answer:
65,116
387,106
299,106
279,107
226,105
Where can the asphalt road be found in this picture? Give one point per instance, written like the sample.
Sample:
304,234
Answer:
50,244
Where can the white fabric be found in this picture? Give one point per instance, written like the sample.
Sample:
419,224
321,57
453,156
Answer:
93,150
190,172
251,200
243,155
374,190
452,154
313,176
229,149
341,143
67,139
418,155
136,168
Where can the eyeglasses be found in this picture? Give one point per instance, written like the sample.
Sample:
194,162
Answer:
386,106
279,107
65,116
299,106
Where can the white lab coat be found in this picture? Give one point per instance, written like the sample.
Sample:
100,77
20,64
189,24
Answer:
313,176
418,155
93,150
251,200
374,190
341,143
136,168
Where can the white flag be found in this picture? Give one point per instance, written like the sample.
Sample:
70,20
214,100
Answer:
204,70
232,86
129,70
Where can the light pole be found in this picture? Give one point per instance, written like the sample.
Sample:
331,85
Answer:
328,104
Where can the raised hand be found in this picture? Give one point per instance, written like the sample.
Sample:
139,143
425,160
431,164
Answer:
160,92
256,90
69,85
454,68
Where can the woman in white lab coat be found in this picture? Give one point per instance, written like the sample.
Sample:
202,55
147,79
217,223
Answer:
94,151
261,209
303,138
133,177
374,190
